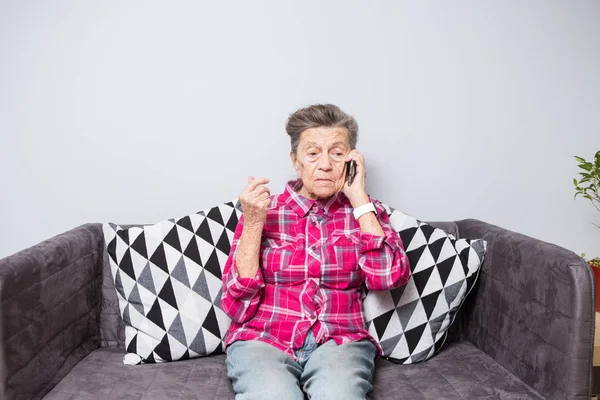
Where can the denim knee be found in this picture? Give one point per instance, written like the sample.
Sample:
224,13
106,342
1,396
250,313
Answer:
340,372
259,371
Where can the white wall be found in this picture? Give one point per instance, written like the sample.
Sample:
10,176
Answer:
139,111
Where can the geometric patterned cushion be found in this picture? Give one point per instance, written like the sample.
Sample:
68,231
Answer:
168,282
411,322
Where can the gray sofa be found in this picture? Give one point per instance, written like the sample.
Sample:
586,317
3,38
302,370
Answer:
525,332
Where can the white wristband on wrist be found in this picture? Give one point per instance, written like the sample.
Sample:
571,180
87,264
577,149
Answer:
365,208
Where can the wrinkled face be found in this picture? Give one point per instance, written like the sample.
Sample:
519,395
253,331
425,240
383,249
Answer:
319,161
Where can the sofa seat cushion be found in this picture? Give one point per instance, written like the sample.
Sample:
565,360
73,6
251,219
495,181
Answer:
458,371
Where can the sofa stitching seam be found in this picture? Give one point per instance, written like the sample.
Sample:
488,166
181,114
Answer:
528,297
52,338
497,341
531,299
50,276
82,287
591,331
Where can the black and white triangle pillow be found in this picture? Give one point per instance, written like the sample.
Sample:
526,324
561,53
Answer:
411,322
168,282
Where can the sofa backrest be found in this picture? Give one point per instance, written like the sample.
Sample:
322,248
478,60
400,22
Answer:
110,323
449,227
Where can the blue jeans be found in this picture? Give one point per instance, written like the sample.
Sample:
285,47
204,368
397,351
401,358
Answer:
259,371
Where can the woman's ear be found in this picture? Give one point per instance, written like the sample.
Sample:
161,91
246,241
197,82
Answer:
295,163
293,158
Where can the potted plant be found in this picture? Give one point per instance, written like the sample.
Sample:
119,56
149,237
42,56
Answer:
588,187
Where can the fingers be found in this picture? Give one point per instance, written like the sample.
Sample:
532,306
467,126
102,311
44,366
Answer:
265,196
356,156
261,190
360,162
254,182
255,199
256,193
262,199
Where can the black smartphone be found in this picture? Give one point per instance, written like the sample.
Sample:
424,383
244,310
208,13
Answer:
350,171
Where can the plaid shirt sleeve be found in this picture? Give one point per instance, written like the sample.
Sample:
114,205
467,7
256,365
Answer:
240,296
382,258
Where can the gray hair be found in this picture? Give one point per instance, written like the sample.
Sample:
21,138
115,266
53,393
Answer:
318,115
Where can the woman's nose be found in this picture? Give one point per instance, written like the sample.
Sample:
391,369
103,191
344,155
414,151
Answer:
325,163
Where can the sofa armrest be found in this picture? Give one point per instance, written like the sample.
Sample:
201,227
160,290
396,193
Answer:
48,311
532,311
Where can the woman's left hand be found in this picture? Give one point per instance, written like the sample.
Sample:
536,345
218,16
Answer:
357,193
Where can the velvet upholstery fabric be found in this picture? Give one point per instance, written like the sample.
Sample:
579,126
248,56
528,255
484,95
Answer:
48,311
533,311
459,371
525,333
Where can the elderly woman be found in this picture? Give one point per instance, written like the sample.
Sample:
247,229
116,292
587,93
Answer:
293,281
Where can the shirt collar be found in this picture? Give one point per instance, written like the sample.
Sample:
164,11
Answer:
301,205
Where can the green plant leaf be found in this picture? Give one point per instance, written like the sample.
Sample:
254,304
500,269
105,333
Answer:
588,185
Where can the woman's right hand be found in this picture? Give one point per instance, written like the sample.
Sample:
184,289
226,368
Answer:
255,199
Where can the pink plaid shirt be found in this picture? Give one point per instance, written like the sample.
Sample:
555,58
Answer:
313,261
